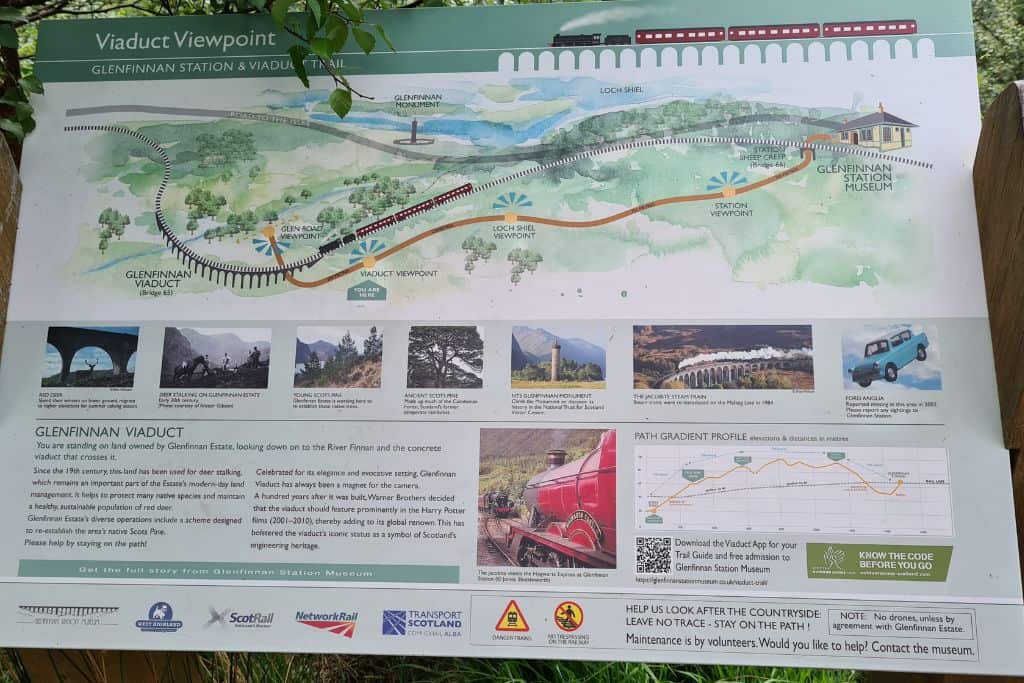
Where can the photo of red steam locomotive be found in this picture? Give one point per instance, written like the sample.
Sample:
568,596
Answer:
565,517
715,34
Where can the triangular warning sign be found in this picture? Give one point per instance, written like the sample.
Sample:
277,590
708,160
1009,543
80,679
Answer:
512,619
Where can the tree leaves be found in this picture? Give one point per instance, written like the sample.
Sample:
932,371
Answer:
384,37
31,83
336,31
341,101
298,54
12,128
364,38
8,36
279,11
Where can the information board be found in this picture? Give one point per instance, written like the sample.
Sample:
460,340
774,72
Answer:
633,330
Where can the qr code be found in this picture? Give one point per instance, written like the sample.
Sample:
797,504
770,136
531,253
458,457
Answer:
653,555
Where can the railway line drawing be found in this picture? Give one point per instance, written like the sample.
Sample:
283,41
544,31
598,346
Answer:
400,227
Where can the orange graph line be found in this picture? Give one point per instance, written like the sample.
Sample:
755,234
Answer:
787,463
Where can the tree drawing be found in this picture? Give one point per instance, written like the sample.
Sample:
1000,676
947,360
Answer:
226,149
477,249
445,357
384,195
330,216
305,194
112,223
203,204
523,261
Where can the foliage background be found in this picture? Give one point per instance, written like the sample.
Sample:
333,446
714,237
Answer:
999,32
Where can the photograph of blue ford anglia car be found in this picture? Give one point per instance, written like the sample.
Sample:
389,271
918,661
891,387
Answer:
885,357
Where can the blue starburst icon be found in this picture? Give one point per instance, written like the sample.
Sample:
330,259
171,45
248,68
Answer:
364,249
263,246
726,179
511,200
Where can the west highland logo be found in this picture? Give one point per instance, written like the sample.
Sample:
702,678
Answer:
160,619
338,623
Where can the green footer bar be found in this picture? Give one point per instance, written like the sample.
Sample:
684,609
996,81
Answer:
241,571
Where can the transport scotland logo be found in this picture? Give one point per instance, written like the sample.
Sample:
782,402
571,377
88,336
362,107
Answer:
394,622
338,623
435,623
160,619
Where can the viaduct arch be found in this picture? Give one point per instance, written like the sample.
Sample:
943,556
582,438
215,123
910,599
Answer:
707,375
70,340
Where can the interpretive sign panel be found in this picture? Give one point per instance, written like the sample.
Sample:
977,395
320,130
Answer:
634,330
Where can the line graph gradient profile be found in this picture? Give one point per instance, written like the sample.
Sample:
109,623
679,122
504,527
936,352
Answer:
871,491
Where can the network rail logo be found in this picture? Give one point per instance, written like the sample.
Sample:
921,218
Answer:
338,623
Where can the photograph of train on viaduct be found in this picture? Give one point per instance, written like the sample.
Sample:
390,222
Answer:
723,357
879,130
90,357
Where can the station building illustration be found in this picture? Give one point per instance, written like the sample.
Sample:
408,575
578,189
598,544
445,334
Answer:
878,130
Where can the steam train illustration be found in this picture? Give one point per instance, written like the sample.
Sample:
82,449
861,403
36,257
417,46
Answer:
571,512
587,39
496,503
714,34
388,221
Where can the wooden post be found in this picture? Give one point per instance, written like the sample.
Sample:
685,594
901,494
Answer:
999,194
10,201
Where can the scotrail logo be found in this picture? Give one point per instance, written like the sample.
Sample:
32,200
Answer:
338,623
228,617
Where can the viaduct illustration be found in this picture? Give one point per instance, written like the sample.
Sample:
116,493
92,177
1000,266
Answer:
70,340
712,373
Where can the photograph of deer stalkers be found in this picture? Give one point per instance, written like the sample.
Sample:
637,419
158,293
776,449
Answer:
338,357
723,357
445,357
215,358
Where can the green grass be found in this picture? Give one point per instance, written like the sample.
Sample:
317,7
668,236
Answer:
528,384
278,668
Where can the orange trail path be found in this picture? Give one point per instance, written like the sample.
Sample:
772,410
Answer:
597,222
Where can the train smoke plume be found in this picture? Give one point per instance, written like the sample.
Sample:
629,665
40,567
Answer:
764,353
601,16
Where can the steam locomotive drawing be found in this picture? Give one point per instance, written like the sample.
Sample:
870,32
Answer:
714,34
571,513
587,39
